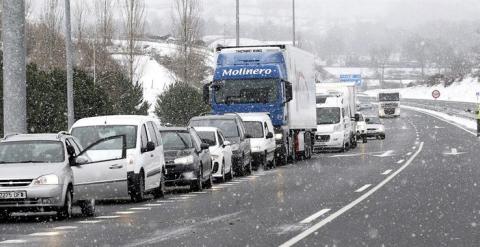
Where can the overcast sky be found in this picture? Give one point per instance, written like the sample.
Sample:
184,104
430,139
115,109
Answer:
315,12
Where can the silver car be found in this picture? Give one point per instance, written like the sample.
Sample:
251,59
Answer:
50,172
375,128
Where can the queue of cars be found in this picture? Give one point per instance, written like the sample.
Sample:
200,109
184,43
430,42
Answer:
113,157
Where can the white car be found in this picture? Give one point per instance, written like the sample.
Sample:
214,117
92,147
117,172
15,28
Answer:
375,128
145,169
220,151
262,142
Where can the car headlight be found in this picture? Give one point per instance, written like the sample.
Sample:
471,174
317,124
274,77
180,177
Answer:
337,127
279,136
187,160
46,180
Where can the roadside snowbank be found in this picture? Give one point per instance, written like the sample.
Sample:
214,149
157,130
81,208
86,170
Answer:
464,91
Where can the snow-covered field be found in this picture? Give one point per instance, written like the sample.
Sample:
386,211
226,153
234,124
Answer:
464,91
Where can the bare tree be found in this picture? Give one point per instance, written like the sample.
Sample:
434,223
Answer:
134,18
104,20
51,18
80,9
186,25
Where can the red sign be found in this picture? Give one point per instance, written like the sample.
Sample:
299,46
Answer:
436,94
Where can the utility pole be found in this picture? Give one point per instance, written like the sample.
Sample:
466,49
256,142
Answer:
14,67
69,51
293,24
237,25
186,41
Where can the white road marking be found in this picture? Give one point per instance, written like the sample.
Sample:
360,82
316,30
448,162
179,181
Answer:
199,192
125,212
387,172
153,205
14,241
164,201
45,234
333,216
65,228
400,161
454,152
409,153
188,196
89,221
366,186
108,217
314,216
386,154
414,147
140,208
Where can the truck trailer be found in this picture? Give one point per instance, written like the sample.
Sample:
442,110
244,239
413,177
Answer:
276,79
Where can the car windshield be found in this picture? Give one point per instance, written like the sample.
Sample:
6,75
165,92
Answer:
32,152
208,137
328,115
227,126
176,140
245,91
254,129
91,134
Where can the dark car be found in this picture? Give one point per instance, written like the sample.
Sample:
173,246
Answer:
234,131
187,158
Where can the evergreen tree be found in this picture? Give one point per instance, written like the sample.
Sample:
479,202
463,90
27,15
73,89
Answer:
179,103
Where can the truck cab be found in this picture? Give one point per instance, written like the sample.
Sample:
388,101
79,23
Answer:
388,104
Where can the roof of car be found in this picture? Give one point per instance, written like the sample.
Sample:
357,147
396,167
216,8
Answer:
113,120
210,129
34,137
254,116
173,128
225,116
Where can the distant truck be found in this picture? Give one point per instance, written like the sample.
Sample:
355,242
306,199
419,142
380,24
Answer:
388,104
275,79
336,116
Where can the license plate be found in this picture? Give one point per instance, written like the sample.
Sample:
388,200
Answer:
13,195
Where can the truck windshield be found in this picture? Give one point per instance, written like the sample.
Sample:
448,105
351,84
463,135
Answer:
246,91
389,97
328,115
254,129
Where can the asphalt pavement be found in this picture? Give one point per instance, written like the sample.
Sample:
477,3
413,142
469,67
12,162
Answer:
418,187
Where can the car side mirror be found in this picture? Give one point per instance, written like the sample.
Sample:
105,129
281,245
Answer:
80,160
70,150
357,117
226,143
150,147
204,146
269,135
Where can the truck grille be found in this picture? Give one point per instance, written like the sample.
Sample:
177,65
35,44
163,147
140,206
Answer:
15,182
390,111
394,105
323,138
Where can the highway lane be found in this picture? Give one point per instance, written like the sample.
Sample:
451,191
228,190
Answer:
435,201
265,209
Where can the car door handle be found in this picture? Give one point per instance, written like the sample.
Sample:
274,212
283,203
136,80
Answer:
116,166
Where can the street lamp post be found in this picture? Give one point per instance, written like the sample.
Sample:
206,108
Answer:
293,24
69,55
237,23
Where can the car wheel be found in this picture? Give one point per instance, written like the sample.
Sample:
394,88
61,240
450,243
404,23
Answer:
88,208
160,191
65,212
138,194
230,173
222,179
282,158
382,137
264,162
242,171
209,182
197,185
273,163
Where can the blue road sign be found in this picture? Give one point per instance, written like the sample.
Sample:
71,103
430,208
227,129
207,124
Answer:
357,78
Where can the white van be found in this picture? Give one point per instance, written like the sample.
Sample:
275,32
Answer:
262,142
145,169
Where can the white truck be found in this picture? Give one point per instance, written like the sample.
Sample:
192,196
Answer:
336,117
388,104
